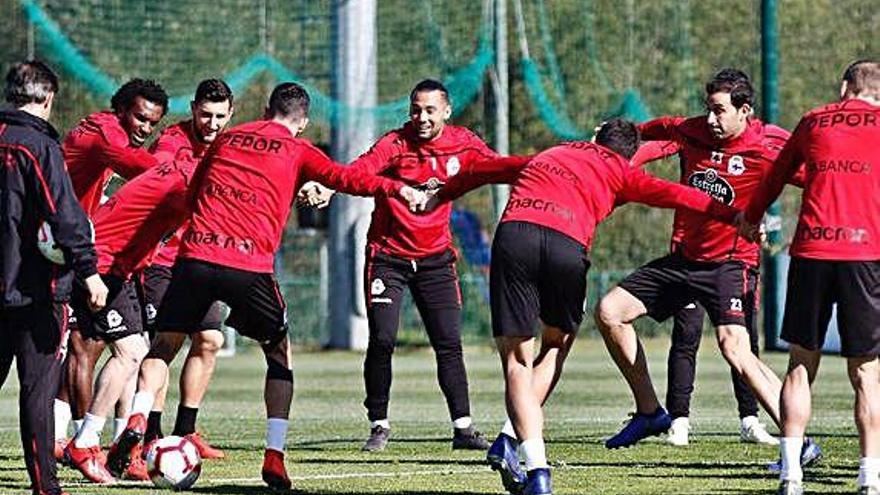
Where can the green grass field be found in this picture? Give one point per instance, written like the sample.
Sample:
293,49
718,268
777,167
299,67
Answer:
328,427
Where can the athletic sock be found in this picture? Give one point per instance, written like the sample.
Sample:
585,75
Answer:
77,425
90,433
869,471
508,430
533,453
62,419
154,427
119,427
142,403
276,434
790,449
462,422
186,420
384,423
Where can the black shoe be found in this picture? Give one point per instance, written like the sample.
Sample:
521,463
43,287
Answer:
378,439
468,439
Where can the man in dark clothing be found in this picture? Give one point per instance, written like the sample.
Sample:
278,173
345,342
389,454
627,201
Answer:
33,314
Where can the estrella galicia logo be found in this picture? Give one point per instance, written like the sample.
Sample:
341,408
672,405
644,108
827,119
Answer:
713,184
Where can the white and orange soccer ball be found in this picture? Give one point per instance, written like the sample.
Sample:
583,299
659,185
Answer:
174,462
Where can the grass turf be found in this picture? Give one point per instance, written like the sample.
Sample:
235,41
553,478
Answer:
328,427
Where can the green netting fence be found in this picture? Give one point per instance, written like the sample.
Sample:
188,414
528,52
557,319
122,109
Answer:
572,64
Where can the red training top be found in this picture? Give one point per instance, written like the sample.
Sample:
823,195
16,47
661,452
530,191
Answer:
135,219
94,149
176,142
573,186
244,190
400,155
840,209
729,171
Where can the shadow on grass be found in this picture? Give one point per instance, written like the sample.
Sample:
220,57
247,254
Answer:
252,490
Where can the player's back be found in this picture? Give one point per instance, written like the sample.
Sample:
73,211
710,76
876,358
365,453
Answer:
244,194
570,188
840,212
130,225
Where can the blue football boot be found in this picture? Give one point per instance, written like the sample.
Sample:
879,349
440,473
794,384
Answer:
641,426
538,482
811,454
502,457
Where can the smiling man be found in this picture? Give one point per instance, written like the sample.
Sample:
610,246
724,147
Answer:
725,153
406,250
188,140
101,144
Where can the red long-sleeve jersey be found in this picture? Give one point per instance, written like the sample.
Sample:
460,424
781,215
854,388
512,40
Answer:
244,189
729,171
572,187
177,142
130,225
400,155
840,210
93,150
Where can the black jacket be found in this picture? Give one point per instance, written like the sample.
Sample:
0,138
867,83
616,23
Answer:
36,187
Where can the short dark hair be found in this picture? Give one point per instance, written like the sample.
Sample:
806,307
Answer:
213,90
30,81
289,99
145,88
619,135
735,82
863,76
426,85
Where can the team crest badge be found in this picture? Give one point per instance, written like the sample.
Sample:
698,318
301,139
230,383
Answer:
114,319
377,287
736,165
452,166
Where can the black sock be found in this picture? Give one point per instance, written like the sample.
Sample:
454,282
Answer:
154,427
186,420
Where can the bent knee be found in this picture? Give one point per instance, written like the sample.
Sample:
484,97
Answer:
207,342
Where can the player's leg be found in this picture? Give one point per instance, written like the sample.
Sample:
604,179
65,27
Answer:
658,289
858,288
614,315
385,278
257,311
189,295
36,332
796,405
82,359
751,430
61,408
198,368
437,296
687,330
156,281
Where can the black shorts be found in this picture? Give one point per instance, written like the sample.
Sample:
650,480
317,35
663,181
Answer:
257,309
728,289
814,286
121,317
156,281
536,273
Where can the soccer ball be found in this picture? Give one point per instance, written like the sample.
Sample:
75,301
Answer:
174,462
46,243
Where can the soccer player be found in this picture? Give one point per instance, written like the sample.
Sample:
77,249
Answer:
834,260
128,229
33,318
725,154
241,198
101,144
211,110
687,331
406,250
539,271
